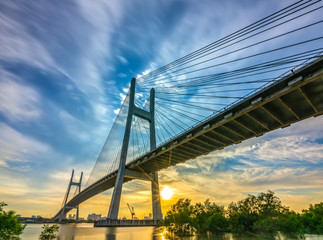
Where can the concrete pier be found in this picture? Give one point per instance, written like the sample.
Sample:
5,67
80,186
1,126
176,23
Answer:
125,223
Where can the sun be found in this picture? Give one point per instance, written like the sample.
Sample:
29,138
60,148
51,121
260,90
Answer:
166,193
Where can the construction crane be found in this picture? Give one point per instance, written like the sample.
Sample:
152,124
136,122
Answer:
132,211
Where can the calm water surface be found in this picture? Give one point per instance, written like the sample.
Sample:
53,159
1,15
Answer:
84,231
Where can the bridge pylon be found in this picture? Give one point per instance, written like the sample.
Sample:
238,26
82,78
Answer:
78,185
122,171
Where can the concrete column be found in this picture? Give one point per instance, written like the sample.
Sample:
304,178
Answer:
77,208
77,214
63,214
116,196
61,217
157,214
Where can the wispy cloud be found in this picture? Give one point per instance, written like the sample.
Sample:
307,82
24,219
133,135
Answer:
16,147
18,102
122,59
19,46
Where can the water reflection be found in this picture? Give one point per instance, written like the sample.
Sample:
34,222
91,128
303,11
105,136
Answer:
87,231
230,236
111,234
163,235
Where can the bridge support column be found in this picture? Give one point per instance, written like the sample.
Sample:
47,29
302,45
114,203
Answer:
157,214
116,196
77,214
149,116
63,214
77,208
71,183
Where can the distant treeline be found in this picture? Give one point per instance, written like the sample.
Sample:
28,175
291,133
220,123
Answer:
261,214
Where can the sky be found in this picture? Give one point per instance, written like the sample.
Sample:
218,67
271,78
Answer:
64,67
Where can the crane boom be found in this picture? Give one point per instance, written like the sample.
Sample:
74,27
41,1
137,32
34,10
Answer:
132,211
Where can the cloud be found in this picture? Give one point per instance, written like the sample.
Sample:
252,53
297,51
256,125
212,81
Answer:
122,59
281,149
78,54
143,73
14,187
296,148
224,187
18,101
74,126
15,147
116,111
122,75
17,45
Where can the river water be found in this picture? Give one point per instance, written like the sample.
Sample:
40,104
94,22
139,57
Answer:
86,231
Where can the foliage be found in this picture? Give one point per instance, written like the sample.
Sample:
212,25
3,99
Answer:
261,214
209,217
256,214
312,218
179,218
10,226
49,232
217,223
185,219
290,224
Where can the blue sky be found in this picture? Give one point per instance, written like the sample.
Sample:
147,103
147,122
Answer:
64,65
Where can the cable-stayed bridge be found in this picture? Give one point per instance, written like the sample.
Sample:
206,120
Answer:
262,77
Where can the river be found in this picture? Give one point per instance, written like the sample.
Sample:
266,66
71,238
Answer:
86,231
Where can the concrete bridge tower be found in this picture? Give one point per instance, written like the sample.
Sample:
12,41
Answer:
122,171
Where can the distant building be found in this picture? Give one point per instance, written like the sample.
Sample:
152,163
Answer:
18,216
94,217
71,216
150,217
33,216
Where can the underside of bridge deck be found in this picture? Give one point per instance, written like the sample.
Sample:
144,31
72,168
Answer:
293,98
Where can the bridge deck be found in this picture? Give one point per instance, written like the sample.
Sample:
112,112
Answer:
293,98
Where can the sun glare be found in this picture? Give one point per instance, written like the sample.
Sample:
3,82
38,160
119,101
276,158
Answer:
166,193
